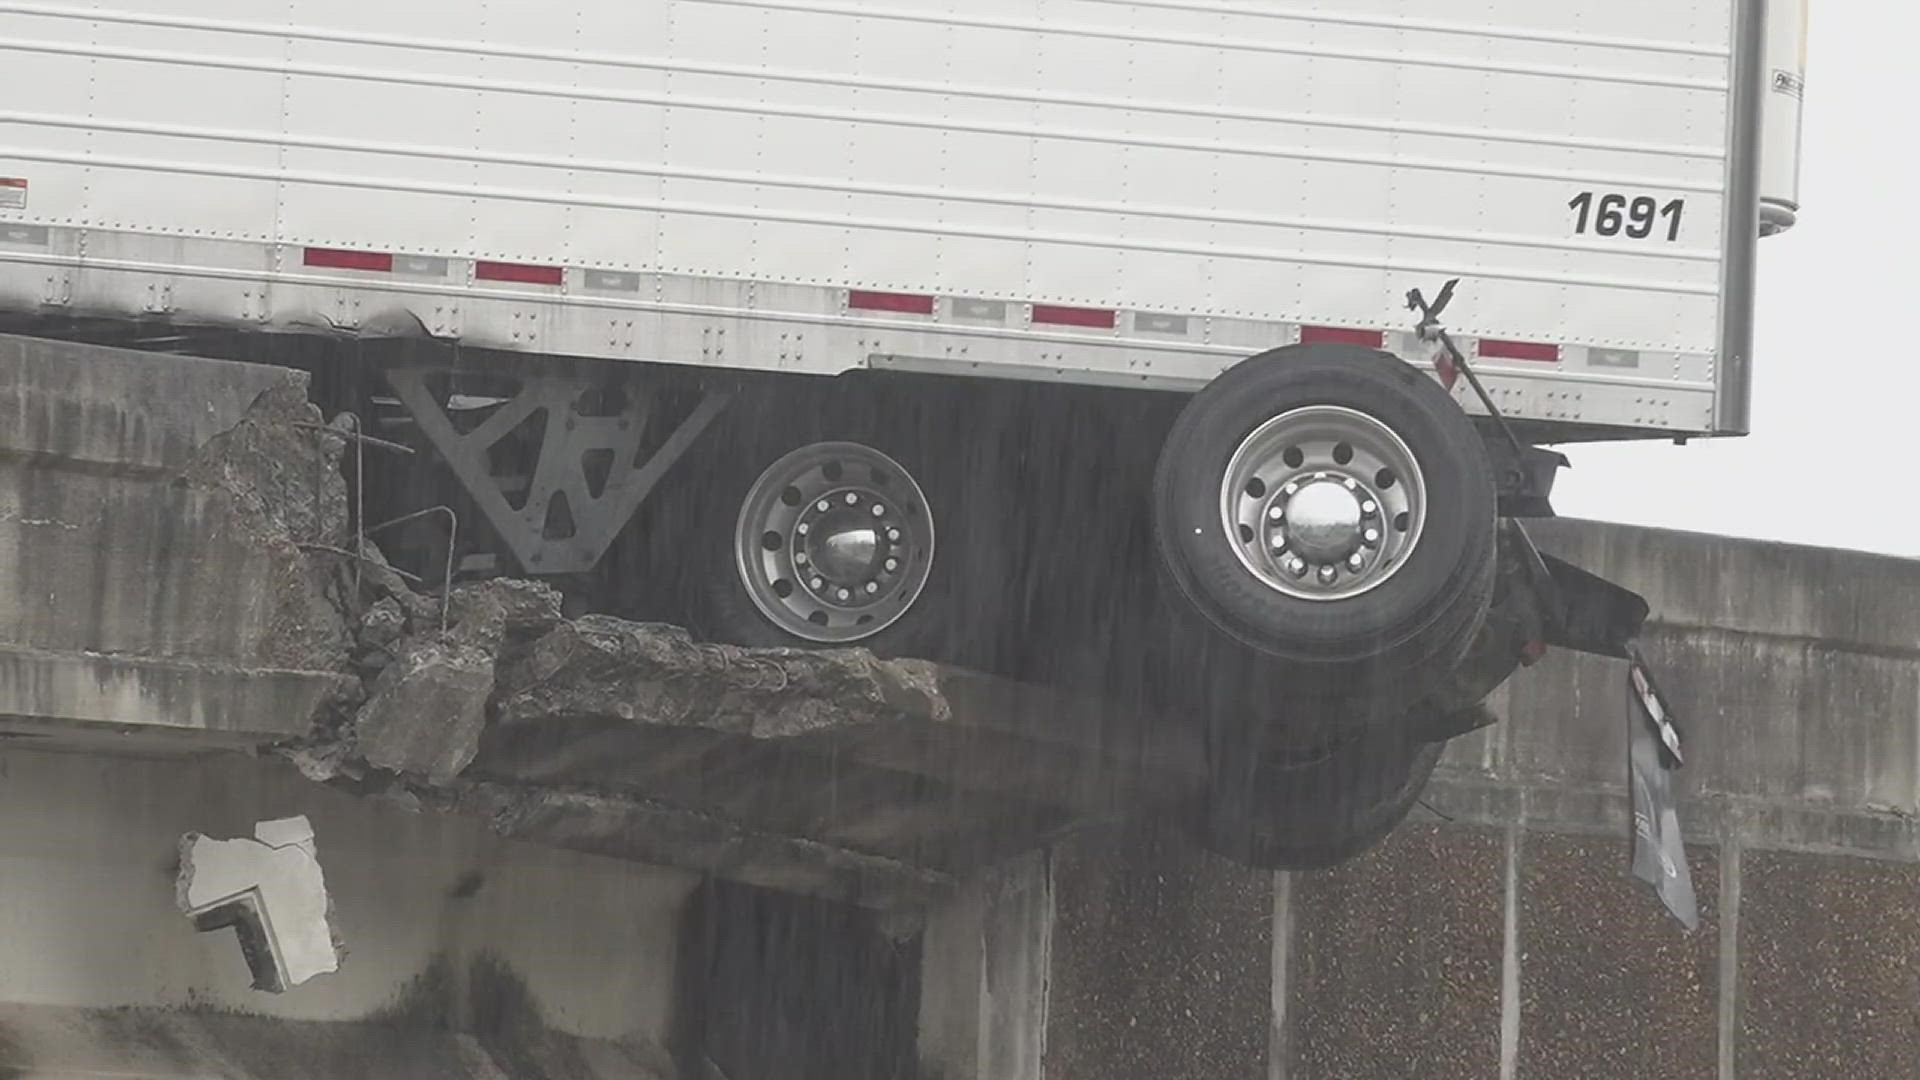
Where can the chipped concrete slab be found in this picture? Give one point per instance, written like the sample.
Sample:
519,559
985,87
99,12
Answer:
158,518
644,673
160,703
271,890
427,710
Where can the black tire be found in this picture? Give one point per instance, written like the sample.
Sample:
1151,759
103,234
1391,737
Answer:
957,459
1404,636
1310,811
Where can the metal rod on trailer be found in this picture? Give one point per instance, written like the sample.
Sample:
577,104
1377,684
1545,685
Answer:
1429,329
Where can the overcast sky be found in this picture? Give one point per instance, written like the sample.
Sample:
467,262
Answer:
1836,429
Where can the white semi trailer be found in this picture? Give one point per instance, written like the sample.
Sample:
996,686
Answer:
831,322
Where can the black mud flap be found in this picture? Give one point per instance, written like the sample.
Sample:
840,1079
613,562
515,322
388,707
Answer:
1580,610
1659,851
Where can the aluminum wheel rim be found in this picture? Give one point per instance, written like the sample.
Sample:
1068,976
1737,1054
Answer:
834,542
1323,503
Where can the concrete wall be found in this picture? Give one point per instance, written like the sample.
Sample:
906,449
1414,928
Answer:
140,593
445,925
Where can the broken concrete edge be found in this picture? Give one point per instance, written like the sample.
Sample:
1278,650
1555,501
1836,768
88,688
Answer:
507,657
279,470
121,410
271,891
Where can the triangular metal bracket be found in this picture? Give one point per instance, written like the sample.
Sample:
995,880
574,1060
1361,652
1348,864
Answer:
560,471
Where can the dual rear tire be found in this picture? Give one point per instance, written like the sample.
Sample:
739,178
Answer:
1332,509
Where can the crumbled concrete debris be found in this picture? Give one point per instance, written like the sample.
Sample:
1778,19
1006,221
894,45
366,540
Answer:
323,760
287,475
271,891
510,657
506,609
382,626
598,666
427,710
286,490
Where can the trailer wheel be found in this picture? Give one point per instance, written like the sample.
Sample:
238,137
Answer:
1309,811
1332,507
834,543
836,513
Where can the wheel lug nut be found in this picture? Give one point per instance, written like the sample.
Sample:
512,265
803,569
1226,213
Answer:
872,587
817,583
1327,574
1276,514
893,535
1352,484
1356,562
1279,543
800,557
804,529
1292,489
823,506
853,498
1296,566
1371,536
1369,508
845,594
892,565
879,510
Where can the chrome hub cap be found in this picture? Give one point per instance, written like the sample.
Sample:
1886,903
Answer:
834,542
1322,522
1323,503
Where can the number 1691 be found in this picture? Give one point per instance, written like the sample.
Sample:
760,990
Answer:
1636,217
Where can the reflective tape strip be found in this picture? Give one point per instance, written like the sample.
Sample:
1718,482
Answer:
519,273
994,311
1149,323
1340,335
420,265
342,259
25,235
1519,350
903,303
1091,318
613,281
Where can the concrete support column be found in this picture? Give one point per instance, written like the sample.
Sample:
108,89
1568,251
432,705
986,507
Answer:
985,962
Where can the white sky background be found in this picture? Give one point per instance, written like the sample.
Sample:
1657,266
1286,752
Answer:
1836,405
